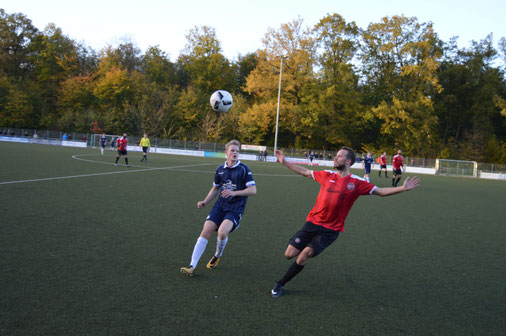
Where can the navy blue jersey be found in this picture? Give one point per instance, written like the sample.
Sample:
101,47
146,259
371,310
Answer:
368,161
237,177
103,139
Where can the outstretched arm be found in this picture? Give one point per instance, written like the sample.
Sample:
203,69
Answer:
295,168
409,184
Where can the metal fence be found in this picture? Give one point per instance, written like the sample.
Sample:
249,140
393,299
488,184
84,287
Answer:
44,134
220,147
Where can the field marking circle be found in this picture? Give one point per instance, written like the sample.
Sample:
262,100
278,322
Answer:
142,169
178,168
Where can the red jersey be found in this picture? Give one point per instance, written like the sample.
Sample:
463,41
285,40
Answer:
122,144
383,160
336,198
397,162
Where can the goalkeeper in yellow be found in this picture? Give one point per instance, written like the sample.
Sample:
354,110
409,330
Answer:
145,147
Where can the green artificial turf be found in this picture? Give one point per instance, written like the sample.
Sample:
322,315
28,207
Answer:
99,252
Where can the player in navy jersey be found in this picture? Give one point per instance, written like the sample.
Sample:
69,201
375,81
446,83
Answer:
233,183
339,190
103,140
367,162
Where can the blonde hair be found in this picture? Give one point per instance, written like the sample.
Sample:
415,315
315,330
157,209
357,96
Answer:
232,142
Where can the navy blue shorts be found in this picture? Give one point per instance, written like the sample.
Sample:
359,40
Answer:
218,215
315,236
367,170
145,149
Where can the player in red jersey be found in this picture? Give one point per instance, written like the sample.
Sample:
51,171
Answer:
339,190
122,149
398,167
383,164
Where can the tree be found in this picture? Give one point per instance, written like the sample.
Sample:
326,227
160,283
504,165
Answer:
158,68
207,68
399,59
16,36
294,43
126,56
336,99
471,105
55,59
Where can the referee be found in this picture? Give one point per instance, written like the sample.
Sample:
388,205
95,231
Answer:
145,147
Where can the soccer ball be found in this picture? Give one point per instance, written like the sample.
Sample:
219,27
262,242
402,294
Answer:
221,101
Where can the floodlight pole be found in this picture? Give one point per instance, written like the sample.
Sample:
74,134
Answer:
277,113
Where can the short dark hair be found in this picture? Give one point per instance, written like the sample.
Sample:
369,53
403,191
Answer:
350,154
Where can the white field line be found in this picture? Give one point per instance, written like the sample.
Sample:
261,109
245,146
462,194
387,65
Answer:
144,168
180,168
101,174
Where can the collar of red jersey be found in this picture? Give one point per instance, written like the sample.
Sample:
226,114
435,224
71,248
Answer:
335,172
226,166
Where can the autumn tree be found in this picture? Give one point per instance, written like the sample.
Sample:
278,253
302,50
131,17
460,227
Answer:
336,100
400,57
55,59
207,70
19,103
292,42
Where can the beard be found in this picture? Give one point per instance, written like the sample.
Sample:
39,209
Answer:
340,167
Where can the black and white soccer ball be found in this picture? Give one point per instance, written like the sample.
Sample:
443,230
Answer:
221,101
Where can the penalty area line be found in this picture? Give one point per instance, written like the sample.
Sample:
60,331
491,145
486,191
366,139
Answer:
101,174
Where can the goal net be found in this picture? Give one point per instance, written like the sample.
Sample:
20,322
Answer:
95,140
456,168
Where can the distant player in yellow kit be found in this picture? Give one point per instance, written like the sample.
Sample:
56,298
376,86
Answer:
145,147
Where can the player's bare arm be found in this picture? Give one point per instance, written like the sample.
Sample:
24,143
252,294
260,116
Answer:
409,184
245,192
212,194
295,168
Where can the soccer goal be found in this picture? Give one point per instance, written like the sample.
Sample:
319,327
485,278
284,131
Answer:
456,168
95,139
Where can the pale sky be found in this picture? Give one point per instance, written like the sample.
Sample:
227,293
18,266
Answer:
241,25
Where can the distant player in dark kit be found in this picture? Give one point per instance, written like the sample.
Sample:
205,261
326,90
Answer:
398,166
103,140
122,149
367,163
113,143
383,164
145,147
339,190
233,182
311,158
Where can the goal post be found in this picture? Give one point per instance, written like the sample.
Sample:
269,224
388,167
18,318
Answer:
456,168
95,139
